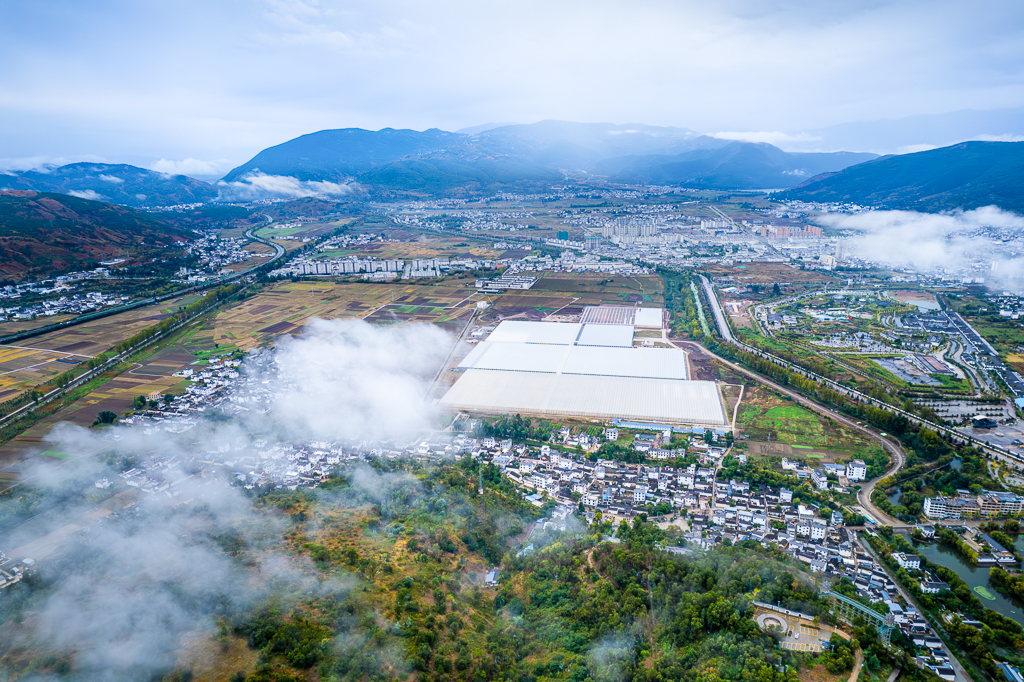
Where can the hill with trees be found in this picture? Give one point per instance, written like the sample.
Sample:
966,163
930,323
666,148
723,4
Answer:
42,234
963,176
539,154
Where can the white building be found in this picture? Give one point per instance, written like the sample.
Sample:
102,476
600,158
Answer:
818,529
909,561
820,479
857,470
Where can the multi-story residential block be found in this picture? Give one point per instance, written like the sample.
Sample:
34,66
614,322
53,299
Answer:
857,470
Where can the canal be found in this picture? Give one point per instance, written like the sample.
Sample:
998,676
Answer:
974,576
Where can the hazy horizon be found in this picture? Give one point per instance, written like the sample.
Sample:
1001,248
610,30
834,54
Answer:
199,88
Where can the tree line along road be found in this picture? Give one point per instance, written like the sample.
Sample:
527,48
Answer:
896,452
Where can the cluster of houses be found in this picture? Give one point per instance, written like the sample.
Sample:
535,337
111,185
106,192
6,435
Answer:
853,471
209,388
75,304
215,254
873,582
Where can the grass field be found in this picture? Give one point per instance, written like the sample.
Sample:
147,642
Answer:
1016,360
261,252
767,273
766,417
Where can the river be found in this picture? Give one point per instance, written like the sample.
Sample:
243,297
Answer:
974,576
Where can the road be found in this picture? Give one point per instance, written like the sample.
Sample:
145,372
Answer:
726,332
896,453
864,496
983,348
858,662
961,674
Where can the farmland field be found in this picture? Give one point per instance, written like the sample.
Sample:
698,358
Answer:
112,391
766,273
569,293
765,417
31,362
285,307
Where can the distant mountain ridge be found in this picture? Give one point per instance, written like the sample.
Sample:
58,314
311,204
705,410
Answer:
116,183
43,233
735,165
541,153
335,155
966,175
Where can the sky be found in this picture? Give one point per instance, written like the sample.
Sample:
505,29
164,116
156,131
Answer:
199,86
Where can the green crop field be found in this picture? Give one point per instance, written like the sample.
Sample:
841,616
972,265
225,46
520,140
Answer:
766,417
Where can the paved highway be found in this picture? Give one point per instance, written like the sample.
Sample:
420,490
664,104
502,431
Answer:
896,453
959,436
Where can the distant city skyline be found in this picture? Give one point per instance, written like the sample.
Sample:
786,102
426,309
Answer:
201,87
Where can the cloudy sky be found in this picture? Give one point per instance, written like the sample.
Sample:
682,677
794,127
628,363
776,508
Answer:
200,86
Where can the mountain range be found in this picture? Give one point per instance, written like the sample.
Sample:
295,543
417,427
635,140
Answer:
393,162
115,183
965,175
539,153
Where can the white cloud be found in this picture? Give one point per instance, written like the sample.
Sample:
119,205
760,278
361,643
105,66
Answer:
113,179
259,185
190,166
123,593
44,163
1005,137
234,78
352,379
928,241
779,139
914,148
90,194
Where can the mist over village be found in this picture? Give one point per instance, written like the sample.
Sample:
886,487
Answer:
512,343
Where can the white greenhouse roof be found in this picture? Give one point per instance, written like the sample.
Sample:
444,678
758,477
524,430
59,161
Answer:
608,314
521,357
498,391
650,363
520,331
606,335
649,318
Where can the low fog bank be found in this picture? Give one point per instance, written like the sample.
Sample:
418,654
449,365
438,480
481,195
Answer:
121,577
350,379
965,241
257,185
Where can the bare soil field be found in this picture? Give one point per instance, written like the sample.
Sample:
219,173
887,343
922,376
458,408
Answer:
285,308
766,273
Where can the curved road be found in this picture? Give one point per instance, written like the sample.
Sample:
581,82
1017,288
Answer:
895,451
